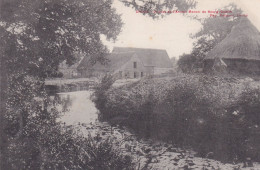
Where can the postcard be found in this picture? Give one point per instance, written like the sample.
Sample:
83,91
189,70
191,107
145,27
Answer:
130,84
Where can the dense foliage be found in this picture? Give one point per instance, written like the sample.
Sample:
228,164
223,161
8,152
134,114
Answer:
35,37
65,148
156,9
214,116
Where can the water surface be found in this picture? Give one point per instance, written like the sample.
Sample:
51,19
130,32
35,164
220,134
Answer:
76,107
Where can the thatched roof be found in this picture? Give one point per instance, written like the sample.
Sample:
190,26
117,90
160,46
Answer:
115,60
243,42
149,57
120,55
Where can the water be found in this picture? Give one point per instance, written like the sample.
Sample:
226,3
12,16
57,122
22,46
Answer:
76,107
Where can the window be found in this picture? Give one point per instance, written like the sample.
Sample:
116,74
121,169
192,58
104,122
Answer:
142,74
135,75
135,65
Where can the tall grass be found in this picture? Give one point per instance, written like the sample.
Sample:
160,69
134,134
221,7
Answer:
66,148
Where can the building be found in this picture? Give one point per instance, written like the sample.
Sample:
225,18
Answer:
130,63
239,52
69,71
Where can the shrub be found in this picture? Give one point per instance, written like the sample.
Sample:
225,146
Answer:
65,148
244,124
190,111
36,140
99,96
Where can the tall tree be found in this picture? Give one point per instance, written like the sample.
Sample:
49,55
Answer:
153,8
36,35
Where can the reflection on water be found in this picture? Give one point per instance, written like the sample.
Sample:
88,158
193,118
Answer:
75,107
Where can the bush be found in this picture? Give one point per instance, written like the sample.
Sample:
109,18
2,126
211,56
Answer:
190,111
36,140
99,97
64,148
245,122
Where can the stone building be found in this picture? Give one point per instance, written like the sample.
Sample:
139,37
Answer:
130,63
70,71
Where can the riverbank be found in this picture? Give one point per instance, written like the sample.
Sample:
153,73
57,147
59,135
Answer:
59,85
146,153
216,117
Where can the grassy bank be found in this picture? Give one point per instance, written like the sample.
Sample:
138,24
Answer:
217,117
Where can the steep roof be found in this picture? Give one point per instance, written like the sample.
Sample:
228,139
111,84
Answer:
149,57
243,42
120,55
115,60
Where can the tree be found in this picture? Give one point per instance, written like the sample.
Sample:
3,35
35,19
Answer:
189,63
217,28
54,30
36,36
148,7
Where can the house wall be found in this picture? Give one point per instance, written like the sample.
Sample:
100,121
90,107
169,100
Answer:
149,70
93,72
85,72
69,72
128,71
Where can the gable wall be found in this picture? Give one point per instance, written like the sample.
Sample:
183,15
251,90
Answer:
128,71
69,72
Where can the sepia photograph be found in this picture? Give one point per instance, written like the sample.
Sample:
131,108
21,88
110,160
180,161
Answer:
129,85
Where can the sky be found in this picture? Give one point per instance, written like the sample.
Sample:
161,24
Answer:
173,31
